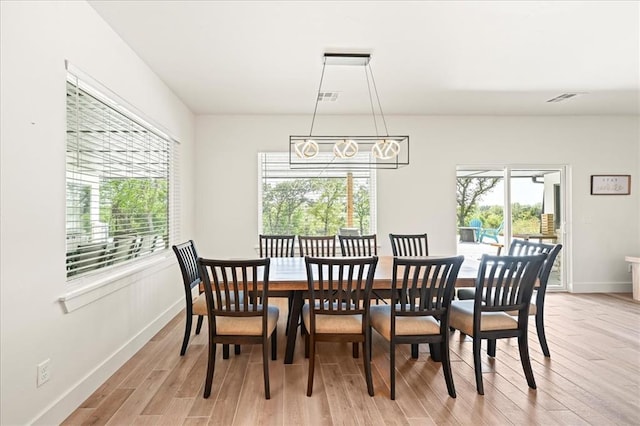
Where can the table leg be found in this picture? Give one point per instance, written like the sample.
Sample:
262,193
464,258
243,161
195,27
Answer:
294,318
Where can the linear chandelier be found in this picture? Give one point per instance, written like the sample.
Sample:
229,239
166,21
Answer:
349,152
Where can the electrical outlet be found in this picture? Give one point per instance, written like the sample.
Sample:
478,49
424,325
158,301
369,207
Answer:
43,372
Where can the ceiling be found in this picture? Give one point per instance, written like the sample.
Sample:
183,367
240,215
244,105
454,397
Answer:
435,57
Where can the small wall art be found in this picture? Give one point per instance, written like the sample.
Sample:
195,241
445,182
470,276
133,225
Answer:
610,184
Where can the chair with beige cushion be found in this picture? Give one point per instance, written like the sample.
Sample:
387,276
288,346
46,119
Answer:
231,321
195,303
520,247
507,282
419,311
338,307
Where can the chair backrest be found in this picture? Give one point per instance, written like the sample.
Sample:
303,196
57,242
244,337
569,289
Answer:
324,246
425,286
339,285
226,282
475,223
362,245
506,282
409,245
187,256
277,245
527,248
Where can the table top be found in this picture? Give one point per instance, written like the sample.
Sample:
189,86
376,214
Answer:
289,273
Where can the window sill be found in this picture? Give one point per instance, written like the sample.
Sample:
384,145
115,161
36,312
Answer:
86,290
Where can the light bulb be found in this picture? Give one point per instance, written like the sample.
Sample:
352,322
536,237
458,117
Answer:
386,149
307,148
345,148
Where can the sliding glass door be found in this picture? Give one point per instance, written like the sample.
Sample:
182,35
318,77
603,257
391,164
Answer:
495,205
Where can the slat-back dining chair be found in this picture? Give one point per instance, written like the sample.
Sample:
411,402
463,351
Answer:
358,245
317,246
507,282
421,314
520,247
409,244
279,246
338,307
232,319
363,245
196,304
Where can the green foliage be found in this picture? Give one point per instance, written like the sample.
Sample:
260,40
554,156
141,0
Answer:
311,206
469,193
134,206
526,218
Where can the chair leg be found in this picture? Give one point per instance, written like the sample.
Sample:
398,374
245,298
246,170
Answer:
491,347
392,369
225,351
312,357
367,361
274,344
446,367
290,305
435,350
477,364
265,367
356,353
199,324
414,350
187,333
523,346
541,335
236,349
211,365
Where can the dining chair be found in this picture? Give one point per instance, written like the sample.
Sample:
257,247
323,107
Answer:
422,289
338,306
507,283
409,244
317,246
277,245
196,304
358,245
520,247
231,320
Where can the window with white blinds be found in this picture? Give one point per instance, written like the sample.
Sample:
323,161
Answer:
314,202
121,180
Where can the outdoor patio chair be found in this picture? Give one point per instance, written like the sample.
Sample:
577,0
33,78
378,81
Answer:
491,233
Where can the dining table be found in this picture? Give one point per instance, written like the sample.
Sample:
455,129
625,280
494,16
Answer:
289,274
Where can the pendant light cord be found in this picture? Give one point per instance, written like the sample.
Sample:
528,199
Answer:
375,88
324,64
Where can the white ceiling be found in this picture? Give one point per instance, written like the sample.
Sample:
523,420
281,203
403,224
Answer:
436,57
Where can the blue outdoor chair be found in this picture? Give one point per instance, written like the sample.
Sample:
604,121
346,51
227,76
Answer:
491,233
477,224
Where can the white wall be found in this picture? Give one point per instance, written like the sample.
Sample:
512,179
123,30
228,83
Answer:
421,197
87,345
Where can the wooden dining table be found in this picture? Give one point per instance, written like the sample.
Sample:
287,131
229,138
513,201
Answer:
289,274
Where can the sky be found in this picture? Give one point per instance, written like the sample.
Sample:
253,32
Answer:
523,191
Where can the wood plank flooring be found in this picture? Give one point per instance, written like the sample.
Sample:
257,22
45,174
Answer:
592,377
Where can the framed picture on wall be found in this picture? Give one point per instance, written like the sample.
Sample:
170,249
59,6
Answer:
610,184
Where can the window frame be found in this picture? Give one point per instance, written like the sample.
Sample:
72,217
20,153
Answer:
372,176
84,283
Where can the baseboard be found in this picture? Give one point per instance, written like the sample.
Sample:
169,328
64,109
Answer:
71,400
602,287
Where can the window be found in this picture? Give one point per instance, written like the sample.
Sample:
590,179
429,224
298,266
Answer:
313,202
119,175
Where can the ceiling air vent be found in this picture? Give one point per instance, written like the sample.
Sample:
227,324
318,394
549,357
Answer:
563,97
327,96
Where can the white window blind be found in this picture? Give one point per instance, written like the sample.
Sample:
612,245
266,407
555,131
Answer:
122,182
313,202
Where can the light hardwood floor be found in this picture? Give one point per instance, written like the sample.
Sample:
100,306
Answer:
592,377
